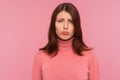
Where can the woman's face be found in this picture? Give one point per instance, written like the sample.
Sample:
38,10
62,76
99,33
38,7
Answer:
64,25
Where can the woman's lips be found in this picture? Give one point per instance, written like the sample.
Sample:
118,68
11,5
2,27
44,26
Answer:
65,33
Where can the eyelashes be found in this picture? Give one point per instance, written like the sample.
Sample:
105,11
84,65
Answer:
70,21
62,20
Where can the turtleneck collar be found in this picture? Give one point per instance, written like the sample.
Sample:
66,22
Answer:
65,46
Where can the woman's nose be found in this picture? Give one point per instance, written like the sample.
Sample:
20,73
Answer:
65,26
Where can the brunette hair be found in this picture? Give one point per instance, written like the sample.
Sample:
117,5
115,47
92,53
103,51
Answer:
78,45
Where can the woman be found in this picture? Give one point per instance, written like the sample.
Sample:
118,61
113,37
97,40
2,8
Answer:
66,56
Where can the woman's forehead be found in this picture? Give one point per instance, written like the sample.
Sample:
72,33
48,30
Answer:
64,14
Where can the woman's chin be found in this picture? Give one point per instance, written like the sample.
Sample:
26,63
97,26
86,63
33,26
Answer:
65,39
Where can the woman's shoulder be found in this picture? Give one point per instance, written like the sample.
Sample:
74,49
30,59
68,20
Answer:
88,53
40,53
91,56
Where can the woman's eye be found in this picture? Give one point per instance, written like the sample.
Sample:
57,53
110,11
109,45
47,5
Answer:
70,21
59,20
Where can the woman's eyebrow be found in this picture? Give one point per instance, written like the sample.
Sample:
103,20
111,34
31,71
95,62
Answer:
69,19
60,18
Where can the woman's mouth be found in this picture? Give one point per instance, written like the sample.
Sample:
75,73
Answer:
65,33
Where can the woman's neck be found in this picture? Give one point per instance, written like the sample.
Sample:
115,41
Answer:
65,45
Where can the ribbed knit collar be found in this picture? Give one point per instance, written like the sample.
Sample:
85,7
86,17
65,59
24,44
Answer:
65,46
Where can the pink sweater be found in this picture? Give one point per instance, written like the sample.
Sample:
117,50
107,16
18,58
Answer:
66,65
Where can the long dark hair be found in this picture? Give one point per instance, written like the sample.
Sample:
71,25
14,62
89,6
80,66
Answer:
78,45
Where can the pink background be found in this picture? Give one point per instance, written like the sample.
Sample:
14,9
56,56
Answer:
24,25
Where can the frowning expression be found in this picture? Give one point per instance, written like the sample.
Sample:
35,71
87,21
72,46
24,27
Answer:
64,25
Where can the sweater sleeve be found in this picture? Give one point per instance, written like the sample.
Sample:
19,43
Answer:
36,67
93,67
